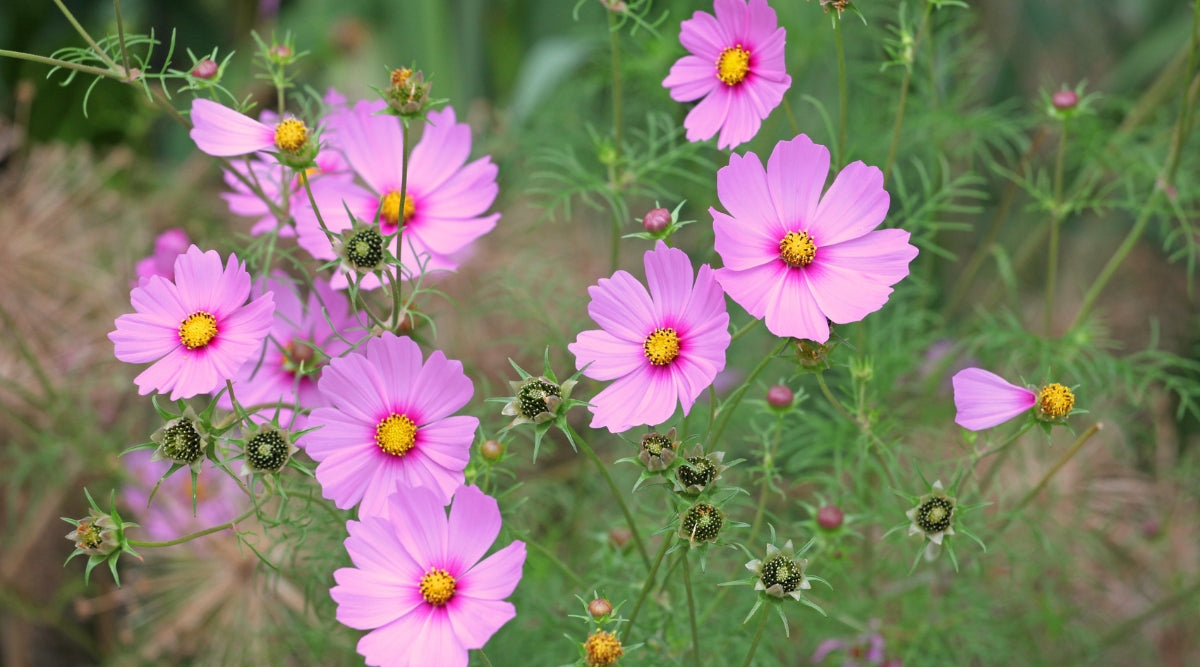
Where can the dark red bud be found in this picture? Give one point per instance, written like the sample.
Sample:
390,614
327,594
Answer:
657,220
780,397
830,517
205,69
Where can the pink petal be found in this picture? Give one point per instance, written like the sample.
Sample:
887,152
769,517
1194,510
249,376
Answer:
691,78
496,577
855,204
371,143
707,117
368,600
473,526
794,312
669,277
853,279
475,621
984,399
221,131
796,174
605,356
436,643
443,149
621,306
746,244
742,189
419,519
703,36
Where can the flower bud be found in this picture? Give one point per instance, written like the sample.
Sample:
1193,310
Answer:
96,534
658,450
602,648
780,397
181,440
491,450
656,220
1064,100
268,450
281,52
830,517
360,249
701,522
206,68
599,608
408,94
620,537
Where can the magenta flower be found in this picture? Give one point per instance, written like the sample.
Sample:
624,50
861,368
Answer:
446,198
280,185
737,66
390,425
662,348
304,336
198,330
984,399
799,258
418,582
169,245
221,131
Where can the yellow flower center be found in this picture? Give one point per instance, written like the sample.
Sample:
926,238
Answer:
1056,401
198,330
661,346
396,434
603,648
291,135
733,65
437,587
389,207
797,249
400,76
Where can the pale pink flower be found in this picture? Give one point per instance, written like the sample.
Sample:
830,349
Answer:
984,399
390,424
197,330
662,348
418,583
221,131
798,258
169,245
736,65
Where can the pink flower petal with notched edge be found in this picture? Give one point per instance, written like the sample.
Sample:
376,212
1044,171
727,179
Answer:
168,246
152,333
362,390
735,110
221,131
984,399
854,266
642,392
393,552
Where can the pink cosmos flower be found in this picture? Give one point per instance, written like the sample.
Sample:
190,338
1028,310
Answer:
662,348
169,245
737,66
445,197
221,131
169,515
390,425
799,258
304,336
418,582
198,330
984,399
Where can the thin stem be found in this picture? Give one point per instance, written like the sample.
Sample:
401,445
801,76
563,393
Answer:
647,585
904,86
54,62
1114,262
614,40
762,626
575,578
399,268
616,492
765,484
1002,449
727,410
1055,225
837,405
744,330
86,37
201,533
787,108
121,34
1184,126
1050,475
484,658
687,584
842,90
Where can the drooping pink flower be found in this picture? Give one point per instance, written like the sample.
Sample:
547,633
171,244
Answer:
446,198
390,424
169,245
304,336
663,347
418,583
221,131
169,514
736,65
799,258
984,399
197,330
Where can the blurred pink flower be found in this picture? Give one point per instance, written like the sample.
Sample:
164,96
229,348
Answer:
221,131
169,245
736,65
197,330
418,583
798,258
446,198
390,424
984,399
662,348
169,515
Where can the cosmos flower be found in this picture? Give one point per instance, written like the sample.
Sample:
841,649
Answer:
198,330
798,258
736,64
663,347
390,424
418,583
984,399
445,201
167,246
221,131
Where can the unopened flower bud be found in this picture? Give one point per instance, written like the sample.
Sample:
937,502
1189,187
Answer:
268,450
656,220
620,538
780,397
361,249
830,517
96,534
206,68
1064,100
281,51
408,94
491,450
602,648
599,608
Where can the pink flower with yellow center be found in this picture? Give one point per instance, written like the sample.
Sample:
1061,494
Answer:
736,69
223,132
197,330
984,399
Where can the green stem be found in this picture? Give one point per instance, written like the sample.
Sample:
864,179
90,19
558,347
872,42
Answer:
1055,225
765,484
397,306
904,86
787,108
842,90
647,585
762,626
1002,449
727,409
121,34
1049,475
687,584
54,62
1114,262
575,578
744,330
614,39
188,538
1184,126
616,492
86,37
484,658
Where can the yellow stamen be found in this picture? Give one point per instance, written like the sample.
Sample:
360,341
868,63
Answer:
1056,401
661,346
389,208
198,330
400,76
797,249
733,65
291,135
602,648
396,435
437,587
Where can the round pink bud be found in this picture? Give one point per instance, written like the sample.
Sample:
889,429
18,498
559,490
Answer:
205,69
491,450
780,397
281,51
1064,100
599,608
657,220
830,517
